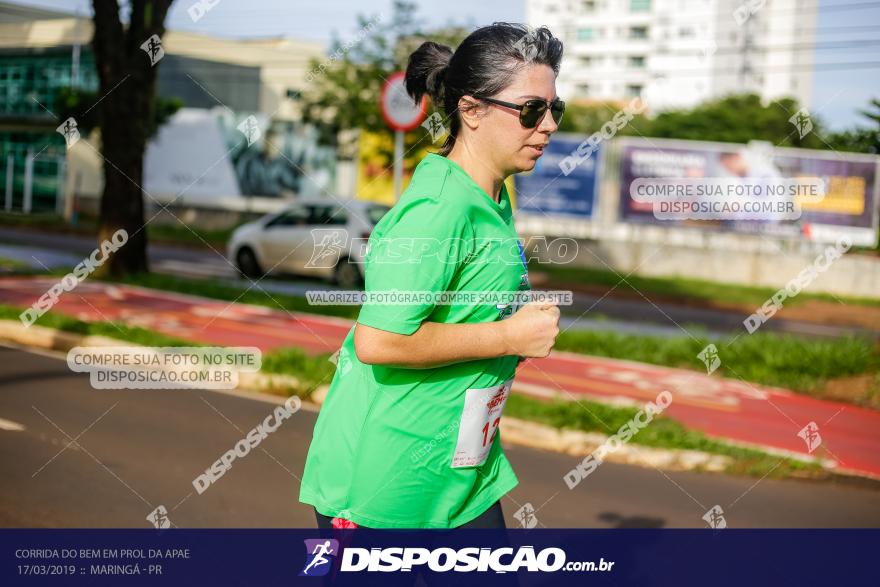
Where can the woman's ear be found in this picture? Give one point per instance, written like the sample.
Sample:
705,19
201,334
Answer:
470,110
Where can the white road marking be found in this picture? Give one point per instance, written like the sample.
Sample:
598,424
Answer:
10,426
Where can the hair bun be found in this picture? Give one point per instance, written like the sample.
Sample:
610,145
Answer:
426,71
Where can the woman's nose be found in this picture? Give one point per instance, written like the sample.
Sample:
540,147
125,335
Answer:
547,123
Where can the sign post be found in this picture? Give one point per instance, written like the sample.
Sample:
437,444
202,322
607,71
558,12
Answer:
401,114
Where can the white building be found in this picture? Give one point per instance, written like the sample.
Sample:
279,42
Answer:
677,53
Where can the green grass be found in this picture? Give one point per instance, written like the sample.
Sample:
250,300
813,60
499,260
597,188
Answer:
255,295
180,234
684,289
7,264
132,334
36,220
798,364
311,371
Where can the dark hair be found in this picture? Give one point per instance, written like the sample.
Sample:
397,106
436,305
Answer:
484,64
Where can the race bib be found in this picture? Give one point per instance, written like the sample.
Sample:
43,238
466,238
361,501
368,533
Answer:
479,424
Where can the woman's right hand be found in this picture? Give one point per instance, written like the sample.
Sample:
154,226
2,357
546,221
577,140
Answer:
532,330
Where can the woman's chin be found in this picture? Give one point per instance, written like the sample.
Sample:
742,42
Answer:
526,164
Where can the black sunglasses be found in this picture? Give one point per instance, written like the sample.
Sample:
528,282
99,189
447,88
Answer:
532,112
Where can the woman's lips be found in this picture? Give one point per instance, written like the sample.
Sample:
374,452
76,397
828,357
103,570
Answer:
537,149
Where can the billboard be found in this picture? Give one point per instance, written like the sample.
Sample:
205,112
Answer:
205,154
849,205
375,172
851,198
547,191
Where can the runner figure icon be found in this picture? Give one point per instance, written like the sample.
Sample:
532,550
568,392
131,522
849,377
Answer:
319,554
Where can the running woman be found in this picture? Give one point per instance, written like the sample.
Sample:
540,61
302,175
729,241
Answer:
408,435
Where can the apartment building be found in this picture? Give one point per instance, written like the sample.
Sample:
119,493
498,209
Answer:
677,53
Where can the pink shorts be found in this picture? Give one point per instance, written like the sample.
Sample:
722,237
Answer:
343,524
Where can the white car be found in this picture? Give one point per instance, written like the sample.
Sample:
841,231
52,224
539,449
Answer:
317,237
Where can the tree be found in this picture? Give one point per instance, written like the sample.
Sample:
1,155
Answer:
77,104
344,88
587,117
738,118
127,76
859,139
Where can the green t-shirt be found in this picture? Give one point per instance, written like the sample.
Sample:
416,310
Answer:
410,447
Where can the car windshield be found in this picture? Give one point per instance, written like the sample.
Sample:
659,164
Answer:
375,213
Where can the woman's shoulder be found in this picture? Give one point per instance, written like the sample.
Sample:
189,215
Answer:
429,208
429,179
420,214
433,182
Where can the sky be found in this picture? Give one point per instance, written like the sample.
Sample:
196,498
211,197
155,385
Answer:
838,93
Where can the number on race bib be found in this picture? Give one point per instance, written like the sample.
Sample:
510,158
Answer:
486,431
479,423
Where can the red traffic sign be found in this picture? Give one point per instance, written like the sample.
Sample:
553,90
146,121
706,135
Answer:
398,109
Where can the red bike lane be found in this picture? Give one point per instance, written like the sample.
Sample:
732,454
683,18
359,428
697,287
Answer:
724,408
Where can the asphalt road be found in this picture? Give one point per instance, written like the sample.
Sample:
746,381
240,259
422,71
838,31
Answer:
587,312
136,450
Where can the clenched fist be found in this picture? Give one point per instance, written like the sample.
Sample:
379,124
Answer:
532,330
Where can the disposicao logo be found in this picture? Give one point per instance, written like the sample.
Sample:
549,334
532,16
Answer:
320,553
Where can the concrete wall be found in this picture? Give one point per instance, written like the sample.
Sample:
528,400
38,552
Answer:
728,260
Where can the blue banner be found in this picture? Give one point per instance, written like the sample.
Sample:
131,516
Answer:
548,189
452,557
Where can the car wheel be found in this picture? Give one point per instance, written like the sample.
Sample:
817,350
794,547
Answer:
247,263
347,275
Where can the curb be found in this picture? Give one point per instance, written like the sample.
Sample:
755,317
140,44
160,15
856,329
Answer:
60,340
580,444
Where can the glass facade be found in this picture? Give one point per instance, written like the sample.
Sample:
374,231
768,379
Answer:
29,87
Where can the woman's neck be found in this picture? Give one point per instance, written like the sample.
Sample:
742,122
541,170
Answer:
483,174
